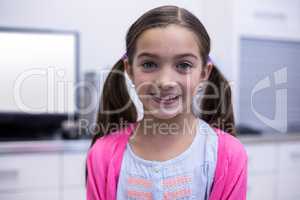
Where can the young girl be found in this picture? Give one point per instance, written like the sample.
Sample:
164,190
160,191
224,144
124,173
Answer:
184,145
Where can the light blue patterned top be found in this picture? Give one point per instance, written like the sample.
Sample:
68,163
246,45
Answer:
187,176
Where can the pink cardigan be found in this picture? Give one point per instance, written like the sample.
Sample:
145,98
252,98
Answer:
105,157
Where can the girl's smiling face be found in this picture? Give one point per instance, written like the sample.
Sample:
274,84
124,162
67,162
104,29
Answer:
167,69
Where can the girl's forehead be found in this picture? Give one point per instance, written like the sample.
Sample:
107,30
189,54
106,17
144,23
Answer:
169,40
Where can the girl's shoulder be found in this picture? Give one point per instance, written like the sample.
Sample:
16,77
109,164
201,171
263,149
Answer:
230,145
230,181
108,145
232,156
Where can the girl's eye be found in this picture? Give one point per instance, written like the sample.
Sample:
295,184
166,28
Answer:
184,66
149,65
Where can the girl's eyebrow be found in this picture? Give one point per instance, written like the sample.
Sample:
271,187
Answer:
146,54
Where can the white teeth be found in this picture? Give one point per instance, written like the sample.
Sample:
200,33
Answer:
169,97
166,98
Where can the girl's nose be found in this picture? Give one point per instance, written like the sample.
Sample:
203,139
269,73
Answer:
166,85
166,78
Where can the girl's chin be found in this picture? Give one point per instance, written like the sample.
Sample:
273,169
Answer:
161,110
163,113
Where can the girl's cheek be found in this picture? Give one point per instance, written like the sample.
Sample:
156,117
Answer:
141,88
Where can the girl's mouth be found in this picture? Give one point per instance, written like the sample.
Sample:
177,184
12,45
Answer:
166,100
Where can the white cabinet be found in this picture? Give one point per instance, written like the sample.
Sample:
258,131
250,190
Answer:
269,18
262,158
273,171
289,171
262,171
35,176
29,176
29,171
30,195
261,186
50,170
74,176
74,169
74,193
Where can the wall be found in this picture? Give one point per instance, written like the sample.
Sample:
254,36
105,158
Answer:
102,25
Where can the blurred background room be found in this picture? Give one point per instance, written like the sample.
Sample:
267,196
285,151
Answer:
54,58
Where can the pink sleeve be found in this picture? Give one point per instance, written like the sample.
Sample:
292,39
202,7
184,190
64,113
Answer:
236,178
95,175
231,172
103,166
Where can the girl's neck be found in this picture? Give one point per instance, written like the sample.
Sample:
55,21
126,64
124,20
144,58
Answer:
154,128
155,139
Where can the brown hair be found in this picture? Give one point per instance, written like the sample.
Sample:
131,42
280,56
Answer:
115,95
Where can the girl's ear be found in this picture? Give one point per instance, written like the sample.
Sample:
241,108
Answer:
206,71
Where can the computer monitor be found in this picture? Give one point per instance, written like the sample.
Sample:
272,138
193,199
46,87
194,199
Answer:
39,74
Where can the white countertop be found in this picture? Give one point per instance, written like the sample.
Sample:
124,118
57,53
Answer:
73,146
269,137
45,146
